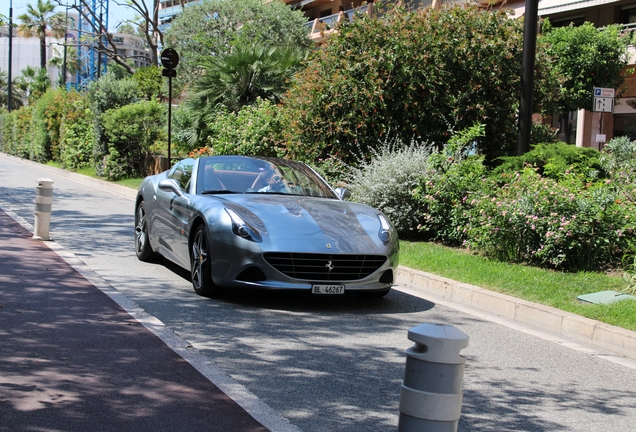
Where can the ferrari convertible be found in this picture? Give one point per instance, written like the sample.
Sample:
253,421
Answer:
236,221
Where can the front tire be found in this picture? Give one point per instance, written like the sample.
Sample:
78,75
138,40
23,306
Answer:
142,242
200,266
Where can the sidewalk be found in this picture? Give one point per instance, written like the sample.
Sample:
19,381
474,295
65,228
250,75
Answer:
71,359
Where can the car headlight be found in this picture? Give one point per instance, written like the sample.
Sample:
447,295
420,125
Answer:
385,229
242,228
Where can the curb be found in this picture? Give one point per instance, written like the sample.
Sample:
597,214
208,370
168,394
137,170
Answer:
575,327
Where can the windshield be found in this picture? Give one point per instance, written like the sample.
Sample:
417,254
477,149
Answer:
239,174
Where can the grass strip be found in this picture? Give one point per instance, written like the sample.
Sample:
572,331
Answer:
551,288
133,182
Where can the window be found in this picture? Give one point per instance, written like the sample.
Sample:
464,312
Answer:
182,172
625,125
564,22
628,15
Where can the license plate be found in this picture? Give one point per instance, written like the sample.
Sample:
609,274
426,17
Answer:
328,289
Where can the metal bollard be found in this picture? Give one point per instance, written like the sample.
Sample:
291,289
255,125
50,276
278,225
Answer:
431,395
43,204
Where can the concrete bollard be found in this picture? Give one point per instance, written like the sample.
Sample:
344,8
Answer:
431,395
43,205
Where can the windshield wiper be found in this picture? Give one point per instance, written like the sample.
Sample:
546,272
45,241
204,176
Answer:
218,191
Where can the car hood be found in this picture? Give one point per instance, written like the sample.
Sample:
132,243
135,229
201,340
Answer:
312,224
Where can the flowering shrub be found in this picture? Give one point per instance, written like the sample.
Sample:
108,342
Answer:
200,152
568,225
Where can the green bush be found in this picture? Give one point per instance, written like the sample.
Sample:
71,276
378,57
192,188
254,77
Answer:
184,138
333,170
131,131
6,132
250,131
21,133
453,177
446,196
619,160
541,133
149,82
569,225
388,180
40,149
555,161
109,92
77,133
48,111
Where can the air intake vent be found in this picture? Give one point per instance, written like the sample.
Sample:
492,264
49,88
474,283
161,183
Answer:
324,267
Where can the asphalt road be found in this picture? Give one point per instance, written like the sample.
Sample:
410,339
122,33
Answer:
332,364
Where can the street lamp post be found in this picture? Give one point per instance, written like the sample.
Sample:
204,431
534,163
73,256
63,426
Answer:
527,76
10,90
65,43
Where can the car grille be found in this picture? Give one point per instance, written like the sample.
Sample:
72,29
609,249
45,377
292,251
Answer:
324,267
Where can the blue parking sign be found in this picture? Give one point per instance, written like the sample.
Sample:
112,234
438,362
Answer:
597,91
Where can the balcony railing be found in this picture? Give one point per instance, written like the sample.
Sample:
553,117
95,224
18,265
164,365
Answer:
320,27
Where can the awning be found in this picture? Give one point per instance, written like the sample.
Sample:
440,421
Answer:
547,7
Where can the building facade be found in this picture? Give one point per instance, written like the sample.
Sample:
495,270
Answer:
133,48
26,51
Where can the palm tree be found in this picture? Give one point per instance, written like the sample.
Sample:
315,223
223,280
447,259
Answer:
16,95
73,63
239,78
232,81
38,20
32,83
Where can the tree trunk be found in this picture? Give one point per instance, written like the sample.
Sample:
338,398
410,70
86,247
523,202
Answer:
43,51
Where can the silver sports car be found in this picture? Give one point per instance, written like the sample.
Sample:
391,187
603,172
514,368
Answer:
260,222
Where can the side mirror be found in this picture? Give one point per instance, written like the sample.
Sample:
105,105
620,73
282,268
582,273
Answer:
343,193
169,185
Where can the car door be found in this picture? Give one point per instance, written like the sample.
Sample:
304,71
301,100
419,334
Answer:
174,214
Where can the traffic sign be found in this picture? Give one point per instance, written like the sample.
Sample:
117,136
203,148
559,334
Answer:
169,58
603,104
603,92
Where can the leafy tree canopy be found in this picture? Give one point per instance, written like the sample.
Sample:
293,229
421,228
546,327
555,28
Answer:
411,76
214,27
149,82
586,57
